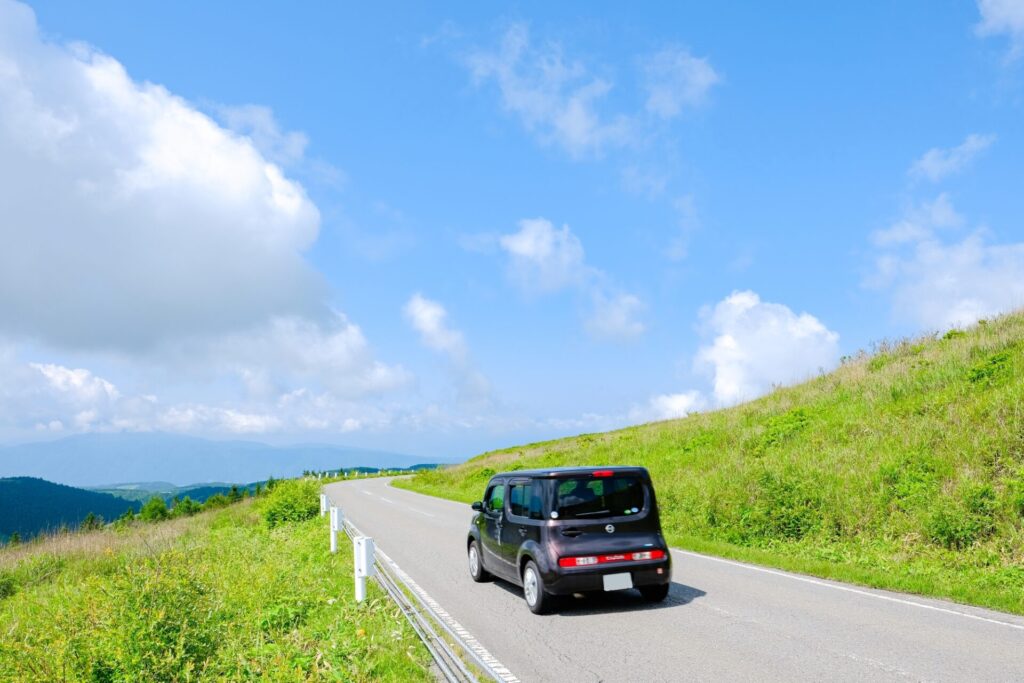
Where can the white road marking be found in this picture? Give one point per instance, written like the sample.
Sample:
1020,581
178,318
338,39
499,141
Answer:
847,589
387,500
468,640
366,492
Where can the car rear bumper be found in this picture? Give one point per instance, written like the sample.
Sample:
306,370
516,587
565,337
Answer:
583,580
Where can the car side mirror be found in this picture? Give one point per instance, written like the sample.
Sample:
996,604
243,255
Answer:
478,506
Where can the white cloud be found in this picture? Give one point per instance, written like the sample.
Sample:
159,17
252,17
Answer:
555,99
940,280
676,80
429,319
669,406
615,317
129,216
758,345
80,384
919,222
938,163
290,352
257,122
544,258
1003,17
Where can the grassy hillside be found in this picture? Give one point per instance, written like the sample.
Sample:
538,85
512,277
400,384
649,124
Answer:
901,469
29,506
247,592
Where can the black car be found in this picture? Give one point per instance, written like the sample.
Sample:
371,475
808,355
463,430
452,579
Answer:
570,530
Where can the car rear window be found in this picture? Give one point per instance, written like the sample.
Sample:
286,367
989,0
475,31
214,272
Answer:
586,497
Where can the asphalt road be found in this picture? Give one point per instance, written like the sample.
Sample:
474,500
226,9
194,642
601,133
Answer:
723,620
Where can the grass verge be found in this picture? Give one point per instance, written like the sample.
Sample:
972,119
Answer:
225,595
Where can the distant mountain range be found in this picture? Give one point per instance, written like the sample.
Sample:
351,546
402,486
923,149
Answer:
29,506
95,460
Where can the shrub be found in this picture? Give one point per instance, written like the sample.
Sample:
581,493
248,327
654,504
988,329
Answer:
787,506
291,501
959,525
991,369
154,510
7,585
780,428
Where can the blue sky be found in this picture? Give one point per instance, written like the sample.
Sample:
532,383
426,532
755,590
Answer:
445,231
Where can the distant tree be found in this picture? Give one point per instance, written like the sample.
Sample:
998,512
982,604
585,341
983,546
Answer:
154,510
126,518
218,500
259,490
15,538
185,507
271,482
234,495
92,522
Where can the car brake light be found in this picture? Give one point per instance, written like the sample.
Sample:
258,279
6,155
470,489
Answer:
588,560
603,473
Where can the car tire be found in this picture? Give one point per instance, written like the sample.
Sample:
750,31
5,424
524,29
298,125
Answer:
654,593
537,600
476,563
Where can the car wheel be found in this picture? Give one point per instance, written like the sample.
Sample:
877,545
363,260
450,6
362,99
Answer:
654,593
533,589
476,564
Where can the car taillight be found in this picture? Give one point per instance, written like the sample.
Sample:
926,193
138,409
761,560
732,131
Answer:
588,560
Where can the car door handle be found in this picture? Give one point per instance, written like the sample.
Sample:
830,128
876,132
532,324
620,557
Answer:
572,531
522,532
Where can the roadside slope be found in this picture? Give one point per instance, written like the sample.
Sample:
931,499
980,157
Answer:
903,469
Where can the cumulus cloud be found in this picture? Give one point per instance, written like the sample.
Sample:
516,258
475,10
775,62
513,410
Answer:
554,98
544,259
938,163
757,345
1003,17
940,279
131,217
669,406
429,319
676,80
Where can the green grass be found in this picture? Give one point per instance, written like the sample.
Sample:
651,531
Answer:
903,469
241,593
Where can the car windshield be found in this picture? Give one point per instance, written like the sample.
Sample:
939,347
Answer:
585,497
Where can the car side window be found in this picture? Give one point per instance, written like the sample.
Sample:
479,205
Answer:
496,498
517,498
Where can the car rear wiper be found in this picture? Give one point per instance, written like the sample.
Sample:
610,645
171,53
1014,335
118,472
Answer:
593,512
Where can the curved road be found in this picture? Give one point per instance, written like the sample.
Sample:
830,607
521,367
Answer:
723,620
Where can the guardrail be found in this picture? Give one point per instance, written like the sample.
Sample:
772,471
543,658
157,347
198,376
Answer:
422,613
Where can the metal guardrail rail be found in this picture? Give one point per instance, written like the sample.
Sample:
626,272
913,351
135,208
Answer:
424,615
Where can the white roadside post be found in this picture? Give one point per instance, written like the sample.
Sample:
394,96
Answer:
337,520
323,504
363,547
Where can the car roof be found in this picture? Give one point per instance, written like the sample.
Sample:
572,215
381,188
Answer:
570,471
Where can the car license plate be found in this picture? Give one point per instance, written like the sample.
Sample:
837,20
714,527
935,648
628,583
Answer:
617,582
